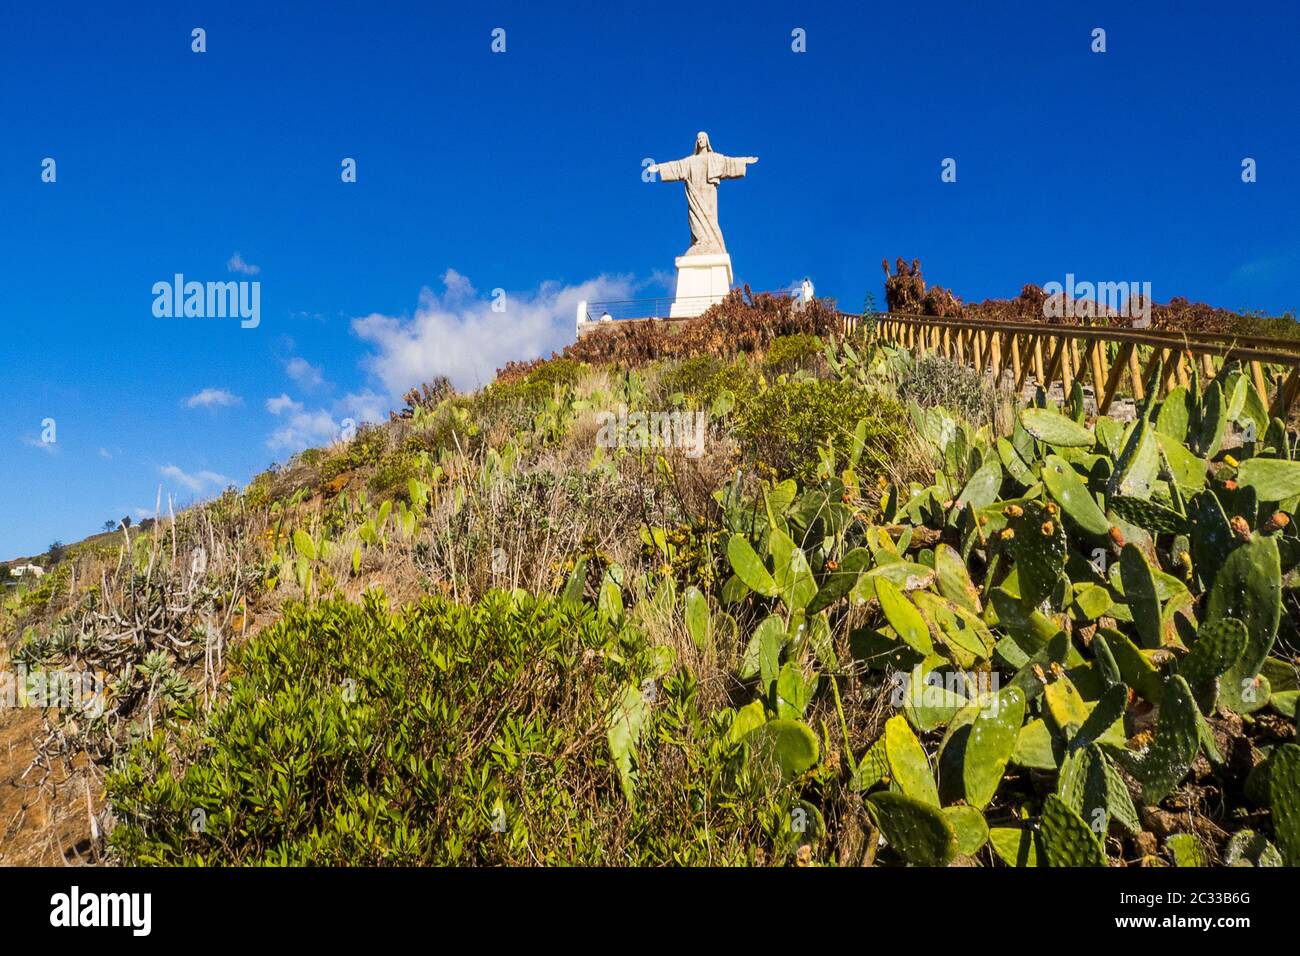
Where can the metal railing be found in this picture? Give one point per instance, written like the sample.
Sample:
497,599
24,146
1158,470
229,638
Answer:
660,307
656,308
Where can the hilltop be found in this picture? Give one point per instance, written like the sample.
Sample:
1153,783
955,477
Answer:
880,596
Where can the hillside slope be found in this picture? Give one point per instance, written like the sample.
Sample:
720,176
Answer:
746,594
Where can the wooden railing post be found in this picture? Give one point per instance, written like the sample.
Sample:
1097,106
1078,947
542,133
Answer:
1122,363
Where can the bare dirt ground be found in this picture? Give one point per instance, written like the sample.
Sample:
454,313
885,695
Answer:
47,826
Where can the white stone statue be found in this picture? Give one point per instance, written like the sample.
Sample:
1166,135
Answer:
702,172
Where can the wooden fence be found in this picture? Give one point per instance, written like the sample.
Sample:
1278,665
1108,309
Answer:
1106,358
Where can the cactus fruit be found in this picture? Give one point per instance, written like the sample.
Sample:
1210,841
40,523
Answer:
1038,547
917,830
1284,800
1169,756
1069,491
1055,429
1067,839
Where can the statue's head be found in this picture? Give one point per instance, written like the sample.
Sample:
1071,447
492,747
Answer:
702,142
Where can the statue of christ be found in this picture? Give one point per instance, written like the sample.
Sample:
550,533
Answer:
702,172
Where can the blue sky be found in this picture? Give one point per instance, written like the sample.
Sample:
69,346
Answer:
521,171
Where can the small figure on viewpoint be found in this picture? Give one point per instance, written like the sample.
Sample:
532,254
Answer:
702,172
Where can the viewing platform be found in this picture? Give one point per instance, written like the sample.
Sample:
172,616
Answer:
672,310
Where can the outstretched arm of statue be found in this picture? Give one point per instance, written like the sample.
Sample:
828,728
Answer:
668,172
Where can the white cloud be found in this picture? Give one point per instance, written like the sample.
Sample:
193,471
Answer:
310,428
104,453
457,333
367,406
212,398
307,376
300,428
197,481
282,403
236,263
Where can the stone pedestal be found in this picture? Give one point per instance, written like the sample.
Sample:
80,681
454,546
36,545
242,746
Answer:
702,281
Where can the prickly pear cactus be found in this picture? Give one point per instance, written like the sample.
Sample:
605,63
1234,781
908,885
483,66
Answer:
1186,849
1248,587
1036,540
990,743
1219,644
1284,799
1248,848
1067,839
1140,595
785,745
954,580
918,830
908,765
1162,766
1067,488
1148,515
1135,472
1055,429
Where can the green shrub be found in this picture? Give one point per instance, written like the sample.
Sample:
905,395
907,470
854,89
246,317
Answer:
392,474
785,424
357,736
935,380
690,377
790,352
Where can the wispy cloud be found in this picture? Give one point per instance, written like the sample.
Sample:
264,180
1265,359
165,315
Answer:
49,447
302,427
307,376
236,263
457,333
196,481
212,398
282,403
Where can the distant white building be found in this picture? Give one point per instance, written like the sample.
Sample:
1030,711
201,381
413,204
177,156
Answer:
18,570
